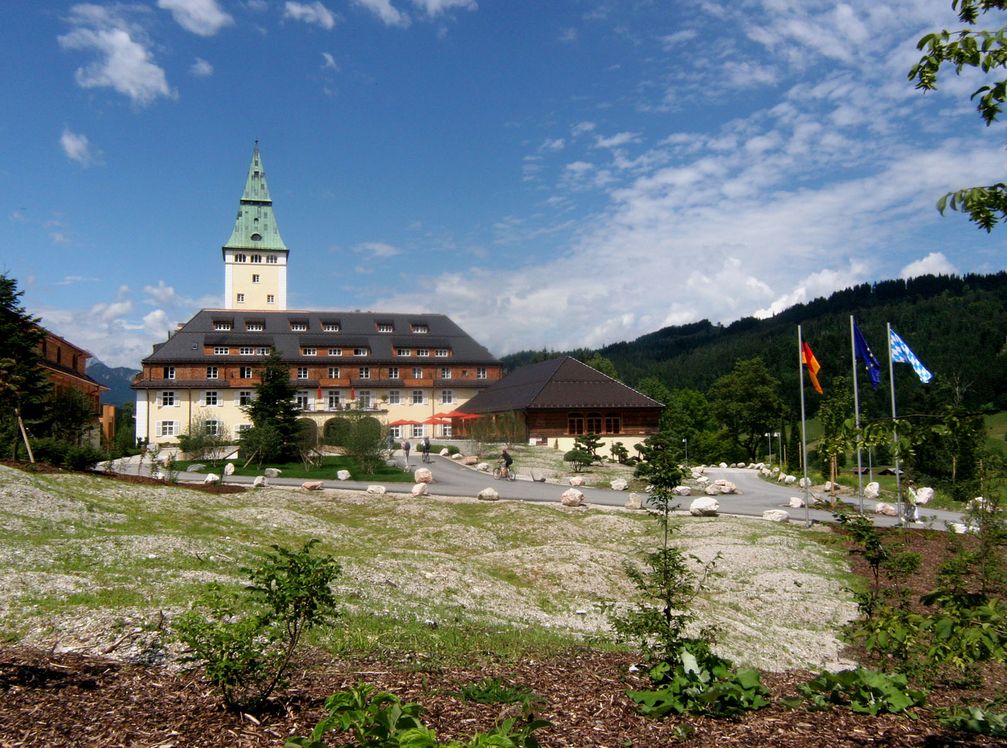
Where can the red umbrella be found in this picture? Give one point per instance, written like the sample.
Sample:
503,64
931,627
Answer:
404,422
459,414
436,421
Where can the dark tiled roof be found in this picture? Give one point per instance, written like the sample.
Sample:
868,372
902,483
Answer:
557,383
356,330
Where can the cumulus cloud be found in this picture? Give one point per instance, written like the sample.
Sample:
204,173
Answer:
202,17
201,68
77,147
311,13
436,7
619,139
377,249
934,263
388,13
124,63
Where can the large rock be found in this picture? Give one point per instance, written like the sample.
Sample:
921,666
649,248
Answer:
423,475
789,480
804,482
376,490
259,482
682,491
702,480
796,502
620,484
572,497
272,472
725,486
460,457
211,478
420,489
776,515
470,460
712,490
704,506
723,464
483,467
312,485
445,452
575,480
978,504
196,467
229,468
635,501
872,490
924,495
886,509
488,494
343,474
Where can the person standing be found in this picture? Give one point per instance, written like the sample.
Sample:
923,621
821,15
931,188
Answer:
912,506
425,448
406,446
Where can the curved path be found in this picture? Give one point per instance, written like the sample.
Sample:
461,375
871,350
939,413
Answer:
755,495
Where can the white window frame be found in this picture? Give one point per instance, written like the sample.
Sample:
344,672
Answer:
480,372
394,397
261,351
334,372
393,372
246,350
334,399
331,327
245,397
211,398
302,372
169,372
256,259
255,326
302,398
240,258
364,372
222,326
212,426
445,372
168,399
241,427
417,372
403,352
361,351
270,298
241,298
416,397
298,326
447,397
256,278
335,351
221,350
212,372
418,431
245,372
166,428
420,329
310,351
364,399
423,352
270,259
441,352
386,327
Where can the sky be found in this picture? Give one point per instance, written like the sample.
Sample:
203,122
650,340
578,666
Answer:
549,173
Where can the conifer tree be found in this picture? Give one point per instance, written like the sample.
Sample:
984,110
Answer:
23,386
273,412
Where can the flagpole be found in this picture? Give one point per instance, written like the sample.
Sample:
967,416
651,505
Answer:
856,415
895,430
804,433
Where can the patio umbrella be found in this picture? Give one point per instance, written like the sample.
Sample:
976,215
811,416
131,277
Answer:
459,414
404,422
436,420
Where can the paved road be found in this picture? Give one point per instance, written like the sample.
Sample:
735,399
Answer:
754,496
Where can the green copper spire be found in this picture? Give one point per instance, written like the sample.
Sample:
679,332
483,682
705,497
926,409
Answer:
255,227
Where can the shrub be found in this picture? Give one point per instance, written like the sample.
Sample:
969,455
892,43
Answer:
578,458
863,691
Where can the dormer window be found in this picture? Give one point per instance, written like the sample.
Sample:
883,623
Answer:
441,352
255,326
423,352
420,328
403,352
335,351
222,324
309,351
361,351
256,258
255,238
239,258
386,327
298,325
330,326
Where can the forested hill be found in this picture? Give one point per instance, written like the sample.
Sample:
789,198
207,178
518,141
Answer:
956,325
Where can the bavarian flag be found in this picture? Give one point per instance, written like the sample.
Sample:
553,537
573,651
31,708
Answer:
813,366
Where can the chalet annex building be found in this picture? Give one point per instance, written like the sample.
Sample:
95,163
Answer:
65,365
403,368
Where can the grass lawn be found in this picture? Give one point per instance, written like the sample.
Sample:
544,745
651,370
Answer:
326,471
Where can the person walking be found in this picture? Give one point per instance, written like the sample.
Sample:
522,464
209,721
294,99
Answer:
425,448
912,506
406,446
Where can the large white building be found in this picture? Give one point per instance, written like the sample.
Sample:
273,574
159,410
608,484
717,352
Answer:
402,368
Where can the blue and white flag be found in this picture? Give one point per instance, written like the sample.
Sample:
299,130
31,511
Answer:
902,355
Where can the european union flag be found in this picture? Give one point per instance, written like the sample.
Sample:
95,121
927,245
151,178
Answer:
865,354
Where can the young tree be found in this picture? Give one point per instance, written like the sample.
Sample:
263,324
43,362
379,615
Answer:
835,410
23,385
747,403
274,409
985,50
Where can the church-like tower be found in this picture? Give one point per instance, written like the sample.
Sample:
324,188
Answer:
255,257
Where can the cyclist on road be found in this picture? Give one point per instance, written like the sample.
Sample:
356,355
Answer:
507,461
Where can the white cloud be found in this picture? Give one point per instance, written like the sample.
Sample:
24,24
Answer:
568,36
311,13
436,7
329,62
201,17
673,40
934,263
77,147
388,13
619,139
377,249
582,128
201,68
124,64
73,280
553,144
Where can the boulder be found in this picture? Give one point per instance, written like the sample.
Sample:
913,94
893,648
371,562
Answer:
537,476
872,490
758,466
420,489
343,474
961,529
698,471
804,482
458,456
211,478
259,482
483,466
723,464
886,509
377,490
229,468
470,460
776,515
789,480
829,486
575,480
312,485
924,495
764,472
196,467
712,490
775,470
620,484
781,477
704,506
572,497
488,494
635,501
272,472
725,486
702,480
445,452
423,475
796,502
682,491
158,475
978,504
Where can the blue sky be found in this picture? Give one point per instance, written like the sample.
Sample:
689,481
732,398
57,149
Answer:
550,173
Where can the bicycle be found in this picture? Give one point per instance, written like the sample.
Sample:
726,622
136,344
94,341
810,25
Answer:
503,472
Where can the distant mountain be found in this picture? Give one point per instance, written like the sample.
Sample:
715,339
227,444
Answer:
956,325
116,379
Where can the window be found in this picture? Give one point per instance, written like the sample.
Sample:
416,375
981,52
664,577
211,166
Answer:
335,351
241,298
256,277
423,352
365,372
386,327
303,400
613,423
403,352
298,326
417,431
244,397
480,372
594,423
167,399
245,350
417,372
262,351
396,432
211,372
220,324
333,372
245,372
447,397
212,427
361,351
169,372
417,397
393,372
310,351
446,431
441,352
167,428
364,398
270,299
333,399
210,398
270,259
575,423
330,326
221,350
243,427
256,258
239,258
445,372
419,328
255,326
302,372
394,397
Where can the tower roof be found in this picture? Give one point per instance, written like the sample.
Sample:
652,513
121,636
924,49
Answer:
255,227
